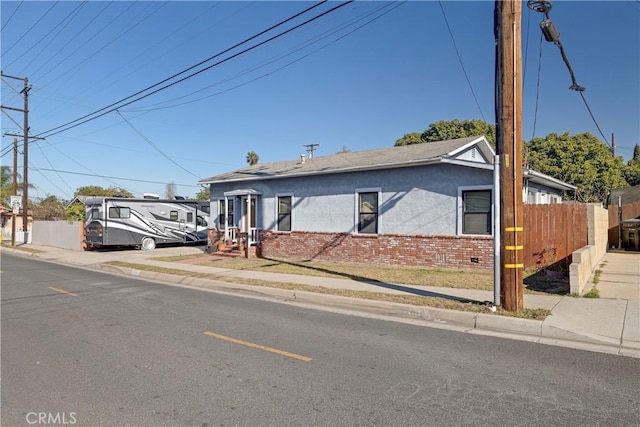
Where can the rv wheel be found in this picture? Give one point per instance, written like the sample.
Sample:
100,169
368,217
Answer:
148,244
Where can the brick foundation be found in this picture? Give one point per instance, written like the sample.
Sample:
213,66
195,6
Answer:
420,251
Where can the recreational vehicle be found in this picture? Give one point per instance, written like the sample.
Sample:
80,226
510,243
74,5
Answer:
144,223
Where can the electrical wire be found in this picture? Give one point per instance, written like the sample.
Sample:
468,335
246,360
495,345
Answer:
67,19
163,105
193,74
87,40
161,44
50,164
535,113
460,61
30,28
76,68
113,177
67,126
155,147
11,17
594,119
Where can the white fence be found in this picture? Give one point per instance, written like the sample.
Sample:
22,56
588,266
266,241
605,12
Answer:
21,236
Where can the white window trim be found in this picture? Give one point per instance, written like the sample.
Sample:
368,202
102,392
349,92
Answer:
278,195
460,213
356,213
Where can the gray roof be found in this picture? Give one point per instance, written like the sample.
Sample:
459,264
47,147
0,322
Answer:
382,158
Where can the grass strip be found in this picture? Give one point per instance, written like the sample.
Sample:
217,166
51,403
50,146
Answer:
451,304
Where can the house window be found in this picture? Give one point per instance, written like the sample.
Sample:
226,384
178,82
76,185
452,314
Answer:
476,212
230,219
284,213
368,213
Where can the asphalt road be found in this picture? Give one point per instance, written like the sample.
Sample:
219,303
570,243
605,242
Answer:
85,348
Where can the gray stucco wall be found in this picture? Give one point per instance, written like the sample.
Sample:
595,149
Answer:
418,200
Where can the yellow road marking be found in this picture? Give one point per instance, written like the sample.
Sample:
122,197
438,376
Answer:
514,229
71,294
514,248
514,266
258,346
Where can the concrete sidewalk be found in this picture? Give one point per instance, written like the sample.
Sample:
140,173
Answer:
608,324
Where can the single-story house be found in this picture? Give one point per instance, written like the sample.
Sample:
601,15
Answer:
422,204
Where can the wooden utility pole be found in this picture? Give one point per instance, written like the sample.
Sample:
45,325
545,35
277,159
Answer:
25,135
508,18
14,190
25,173
613,144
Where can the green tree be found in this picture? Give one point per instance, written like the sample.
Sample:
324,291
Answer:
632,168
95,190
76,212
252,158
410,138
204,194
443,130
582,160
6,185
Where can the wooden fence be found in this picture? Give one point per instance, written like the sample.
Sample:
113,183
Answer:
552,233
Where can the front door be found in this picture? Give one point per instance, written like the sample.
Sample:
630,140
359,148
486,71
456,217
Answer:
248,213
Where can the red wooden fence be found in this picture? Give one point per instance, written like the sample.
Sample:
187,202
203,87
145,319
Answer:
552,233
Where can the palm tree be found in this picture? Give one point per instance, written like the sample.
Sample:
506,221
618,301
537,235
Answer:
252,158
6,184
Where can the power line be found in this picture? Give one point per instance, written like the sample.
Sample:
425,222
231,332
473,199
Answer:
154,146
460,61
163,105
112,177
535,113
67,19
11,17
77,66
594,119
87,40
67,126
31,28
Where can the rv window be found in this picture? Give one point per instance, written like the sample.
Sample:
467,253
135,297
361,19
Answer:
94,213
116,212
173,215
189,216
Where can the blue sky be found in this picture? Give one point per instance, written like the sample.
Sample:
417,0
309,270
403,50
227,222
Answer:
359,78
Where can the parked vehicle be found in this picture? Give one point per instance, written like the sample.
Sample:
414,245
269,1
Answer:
144,223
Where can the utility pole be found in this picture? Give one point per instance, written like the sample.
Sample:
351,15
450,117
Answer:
613,144
508,18
14,190
25,135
